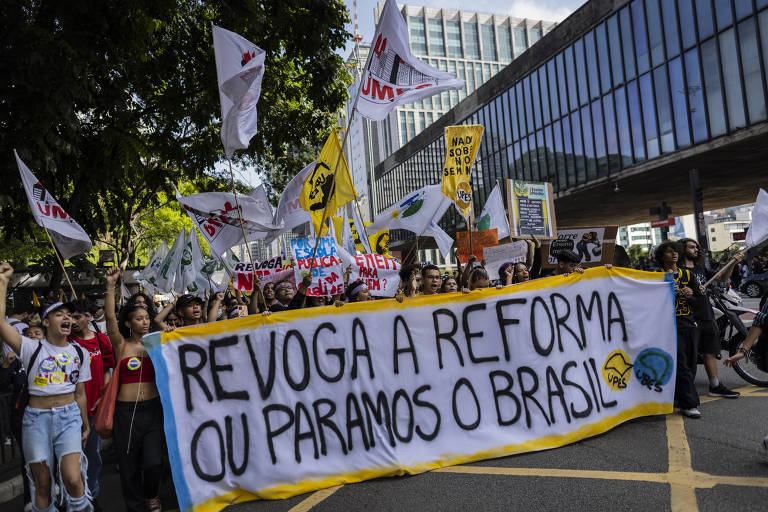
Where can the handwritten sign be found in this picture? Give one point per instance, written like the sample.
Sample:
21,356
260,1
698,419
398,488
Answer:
497,255
272,407
267,270
480,240
327,273
532,210
380,274
595,246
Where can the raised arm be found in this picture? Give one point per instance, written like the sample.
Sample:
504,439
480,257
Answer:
8,333
161,316
113,330
257,303
213,307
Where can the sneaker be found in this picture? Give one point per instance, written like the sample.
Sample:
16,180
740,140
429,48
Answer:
723,391
154,504
691,413
28,507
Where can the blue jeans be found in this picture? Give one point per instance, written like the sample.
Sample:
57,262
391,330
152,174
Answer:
50,434
93,454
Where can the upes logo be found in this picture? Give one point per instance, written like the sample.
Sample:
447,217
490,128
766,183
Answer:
617,369
321,183
247,56
463,195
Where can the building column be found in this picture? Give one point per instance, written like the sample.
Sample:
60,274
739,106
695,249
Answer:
698,212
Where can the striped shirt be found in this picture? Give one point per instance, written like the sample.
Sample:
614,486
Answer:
761,319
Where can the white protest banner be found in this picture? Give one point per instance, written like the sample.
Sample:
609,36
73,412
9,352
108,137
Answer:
244,272
327,272
758,228
498,255
271,407
380,274
586,242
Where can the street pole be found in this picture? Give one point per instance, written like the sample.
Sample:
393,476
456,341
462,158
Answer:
698,212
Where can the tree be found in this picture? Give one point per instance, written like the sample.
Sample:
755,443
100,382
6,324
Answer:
110,102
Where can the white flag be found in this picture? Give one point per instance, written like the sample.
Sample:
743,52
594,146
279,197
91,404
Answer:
494,215
289,212
414,212
185,275
167,274
239,68
758,230
442,239
70,239
393,76
200,283
149,273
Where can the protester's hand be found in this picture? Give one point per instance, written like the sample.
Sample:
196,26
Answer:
307,281
338,303
735,357
6,271
413,284
472,258
86,432
536,241
465,290
168,328
510,270
499,286
703,289
482,263
112,275
608,266
578,270
96,405
686,292
738,257
266,312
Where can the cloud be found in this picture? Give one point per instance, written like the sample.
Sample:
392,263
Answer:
549,10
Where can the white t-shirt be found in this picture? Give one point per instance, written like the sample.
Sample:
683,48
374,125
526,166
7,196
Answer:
57,370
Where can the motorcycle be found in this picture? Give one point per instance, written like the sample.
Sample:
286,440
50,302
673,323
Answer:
728,306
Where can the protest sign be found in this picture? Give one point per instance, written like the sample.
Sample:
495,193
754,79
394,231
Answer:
272,407
595,246
327,272
480,240
379,273
461,144
531,208
496,256
267,270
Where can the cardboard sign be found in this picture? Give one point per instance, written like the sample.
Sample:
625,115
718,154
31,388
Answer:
480,240
531,209
380,274
327,273
595,246
244,273
497,255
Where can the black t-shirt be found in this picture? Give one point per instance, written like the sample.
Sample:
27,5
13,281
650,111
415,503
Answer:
686,308
703,309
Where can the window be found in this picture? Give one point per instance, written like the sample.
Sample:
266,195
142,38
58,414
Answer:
505,44
669,14
535,35
470,77
403,129
614,44
553,89
723,13
750,61
688,31
436,44
733,96
641,41
572,91
471,44
649,115
623,127
418,35
584,71
626,42
521,42
655,38
611,135
679,108
489,42
695,92
453,36
705,18
664,110
636,120
599,136
712,230
714,239
711,68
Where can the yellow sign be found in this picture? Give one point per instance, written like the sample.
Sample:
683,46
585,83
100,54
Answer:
323,193
379,241
462,143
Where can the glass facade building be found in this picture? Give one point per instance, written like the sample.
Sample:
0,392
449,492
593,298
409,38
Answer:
649,78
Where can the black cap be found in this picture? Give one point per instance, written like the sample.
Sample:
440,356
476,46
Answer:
568,255
187,298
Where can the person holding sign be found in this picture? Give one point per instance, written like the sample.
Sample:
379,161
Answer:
450,285
138,421
358,292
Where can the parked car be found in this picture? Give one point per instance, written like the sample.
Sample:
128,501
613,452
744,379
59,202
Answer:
755,285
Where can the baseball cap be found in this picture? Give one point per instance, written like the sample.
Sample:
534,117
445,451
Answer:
55,307
187,298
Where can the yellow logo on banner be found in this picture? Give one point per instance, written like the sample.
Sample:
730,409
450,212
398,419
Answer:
617,369
462,143
319,189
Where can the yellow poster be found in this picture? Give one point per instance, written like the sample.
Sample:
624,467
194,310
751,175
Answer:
461,148
379,241
319,189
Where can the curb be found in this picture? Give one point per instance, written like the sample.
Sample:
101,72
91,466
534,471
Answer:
10,489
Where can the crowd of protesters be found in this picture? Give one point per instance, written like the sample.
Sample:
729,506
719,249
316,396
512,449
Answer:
59,359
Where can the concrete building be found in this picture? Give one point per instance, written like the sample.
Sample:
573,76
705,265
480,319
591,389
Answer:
615,107
472,45
639,234
724,234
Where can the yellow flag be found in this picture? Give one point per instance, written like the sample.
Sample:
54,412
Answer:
35,300
461,148
380,242
338,227
319,190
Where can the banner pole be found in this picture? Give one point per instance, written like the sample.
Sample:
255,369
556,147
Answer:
239,213
61,263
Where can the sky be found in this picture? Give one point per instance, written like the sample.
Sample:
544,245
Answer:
549,10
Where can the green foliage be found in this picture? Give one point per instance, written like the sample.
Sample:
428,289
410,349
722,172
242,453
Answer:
110,102
635,252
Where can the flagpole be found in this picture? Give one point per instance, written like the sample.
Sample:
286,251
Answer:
239,213
61,263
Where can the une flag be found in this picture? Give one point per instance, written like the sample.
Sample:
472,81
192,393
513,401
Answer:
461,148
494,215
393,76
758,229
68,236
239,69
289,213
415,212
323,188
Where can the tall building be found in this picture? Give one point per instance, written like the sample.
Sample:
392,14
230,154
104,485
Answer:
472,45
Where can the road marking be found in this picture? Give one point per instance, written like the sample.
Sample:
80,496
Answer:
314,499
682,493
745,391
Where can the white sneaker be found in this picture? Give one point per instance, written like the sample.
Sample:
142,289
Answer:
693,412
28,507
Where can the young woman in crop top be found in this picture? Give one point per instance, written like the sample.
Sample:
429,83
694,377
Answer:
138,422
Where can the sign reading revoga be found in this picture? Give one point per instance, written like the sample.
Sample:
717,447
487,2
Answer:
271,407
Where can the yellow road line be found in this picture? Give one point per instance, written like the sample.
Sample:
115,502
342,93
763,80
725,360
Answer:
314,499
681,490
556,473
